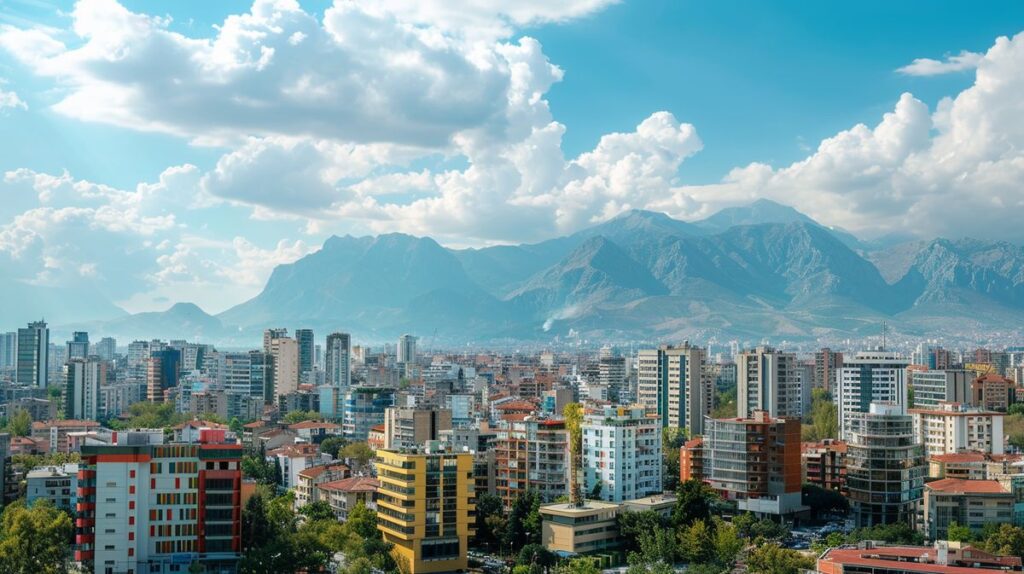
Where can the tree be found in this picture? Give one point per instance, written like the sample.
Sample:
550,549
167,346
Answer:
523,521
20,423
831,541
363,521
236,426
693,502
535,555
333,445
696,543
488,506
672,439
573,415
595,491
318,510
658,546
958,533
294,417
824,417
773,559
1006,540
34,540
258,468
256,527
278,473
898,533
579,566
725,404
633,524
727,542
358,452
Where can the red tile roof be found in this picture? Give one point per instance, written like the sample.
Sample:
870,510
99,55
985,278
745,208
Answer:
354,484
516,406
963,486
68,423
316,471
959,457
897,558
313,425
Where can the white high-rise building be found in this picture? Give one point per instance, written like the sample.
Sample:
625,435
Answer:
285,352
105,349
83,379
407,349
870,377
674,382
338,360
622,451
768,380
8,350
33,355
953,427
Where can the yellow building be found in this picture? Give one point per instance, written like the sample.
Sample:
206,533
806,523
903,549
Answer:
424,504
585,529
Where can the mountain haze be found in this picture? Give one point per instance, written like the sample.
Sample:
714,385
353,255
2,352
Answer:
755,271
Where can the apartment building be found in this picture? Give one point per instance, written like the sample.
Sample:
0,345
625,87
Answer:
406,427
363,408
674,383
885,467
145,508
934,387
57,484
870,377
622,453
970,503
533,455
993,392
954,427
824,464
424,506
768,380
345,494
755,461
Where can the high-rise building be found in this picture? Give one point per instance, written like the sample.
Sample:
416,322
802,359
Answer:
953,427
755,461
612,376
826,368
885,466
270,334
138,355
78,346
338,360
33,355
105,349
991,392
285,352
424,507
768,380
163,369
932,357
532,455
304,338
363,409
673,382
934,387
406,349
824,464
8,350
241,372
157,508
870,377
622,453
83,379
407,427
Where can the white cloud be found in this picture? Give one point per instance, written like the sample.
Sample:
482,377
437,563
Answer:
362,74
961,62
953,172
253,264
11,100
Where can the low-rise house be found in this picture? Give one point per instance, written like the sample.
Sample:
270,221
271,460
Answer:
970,503
56,431
308,479
58,484
343,495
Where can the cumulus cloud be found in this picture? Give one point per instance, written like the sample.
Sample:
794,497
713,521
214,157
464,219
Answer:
954,171
11,100
361,74
961,62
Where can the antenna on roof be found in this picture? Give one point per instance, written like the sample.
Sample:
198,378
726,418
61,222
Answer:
883,335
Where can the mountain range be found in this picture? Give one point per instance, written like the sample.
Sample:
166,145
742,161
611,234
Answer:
762,270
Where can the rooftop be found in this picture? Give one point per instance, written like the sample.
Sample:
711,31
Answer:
69,423
963,486
354,484
916,559
313,425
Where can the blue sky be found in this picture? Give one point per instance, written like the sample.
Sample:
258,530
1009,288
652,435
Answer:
530,121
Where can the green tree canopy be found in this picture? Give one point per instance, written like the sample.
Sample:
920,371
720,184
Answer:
773,559
34,540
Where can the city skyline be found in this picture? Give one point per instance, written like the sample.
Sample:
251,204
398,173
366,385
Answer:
850,125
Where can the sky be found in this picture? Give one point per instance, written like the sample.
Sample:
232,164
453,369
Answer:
178,151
